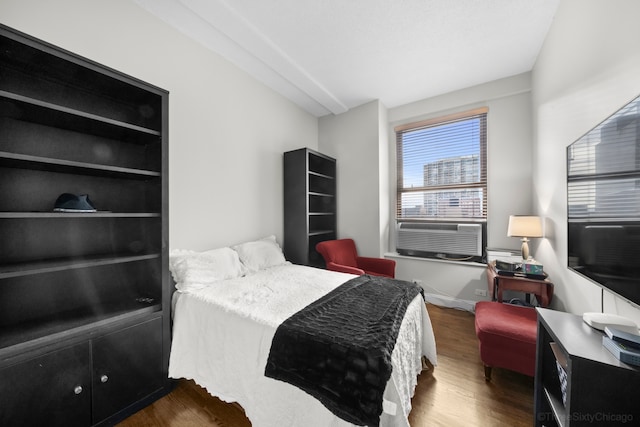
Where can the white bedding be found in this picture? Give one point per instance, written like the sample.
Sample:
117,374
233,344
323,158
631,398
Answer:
222,336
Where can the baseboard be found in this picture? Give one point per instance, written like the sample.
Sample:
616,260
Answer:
449,302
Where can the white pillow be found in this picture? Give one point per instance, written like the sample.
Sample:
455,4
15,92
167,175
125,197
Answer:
195,270
260,254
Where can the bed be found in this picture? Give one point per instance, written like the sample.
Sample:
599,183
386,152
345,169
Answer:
227,308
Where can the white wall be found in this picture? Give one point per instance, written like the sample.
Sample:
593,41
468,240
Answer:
588,68
386,181
363,141
508,176
227,131
354,139
508,144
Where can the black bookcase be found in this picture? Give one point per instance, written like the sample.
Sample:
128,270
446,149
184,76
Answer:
309,204
84,297
600,390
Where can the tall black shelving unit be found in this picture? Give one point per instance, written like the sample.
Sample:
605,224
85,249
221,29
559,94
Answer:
84,297
309,204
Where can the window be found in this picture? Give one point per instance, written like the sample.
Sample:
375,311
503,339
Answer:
442,168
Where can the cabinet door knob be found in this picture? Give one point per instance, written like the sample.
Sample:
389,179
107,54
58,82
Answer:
104,379
77,389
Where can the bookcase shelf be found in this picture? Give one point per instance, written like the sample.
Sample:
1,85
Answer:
53,265
77,322
36,111
66,166
82,295
309,204
67,215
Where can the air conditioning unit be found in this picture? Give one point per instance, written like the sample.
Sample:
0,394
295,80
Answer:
421,239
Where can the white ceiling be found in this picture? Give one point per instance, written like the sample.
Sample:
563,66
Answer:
332,55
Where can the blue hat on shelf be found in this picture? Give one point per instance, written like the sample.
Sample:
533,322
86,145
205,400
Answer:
68,202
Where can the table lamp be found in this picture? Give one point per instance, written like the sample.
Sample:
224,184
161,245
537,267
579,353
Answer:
525,227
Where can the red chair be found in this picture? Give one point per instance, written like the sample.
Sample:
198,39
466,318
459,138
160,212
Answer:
341,255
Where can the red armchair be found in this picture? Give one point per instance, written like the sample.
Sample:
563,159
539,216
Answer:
341,255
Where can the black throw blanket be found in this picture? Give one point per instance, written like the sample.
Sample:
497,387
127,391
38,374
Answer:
338,348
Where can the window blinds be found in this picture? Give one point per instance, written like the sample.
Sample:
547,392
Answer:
442,172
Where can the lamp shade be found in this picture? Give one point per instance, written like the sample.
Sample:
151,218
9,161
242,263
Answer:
524,226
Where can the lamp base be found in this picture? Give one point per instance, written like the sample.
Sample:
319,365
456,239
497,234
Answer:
525,249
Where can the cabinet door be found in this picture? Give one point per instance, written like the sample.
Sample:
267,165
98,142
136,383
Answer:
49,390
127,366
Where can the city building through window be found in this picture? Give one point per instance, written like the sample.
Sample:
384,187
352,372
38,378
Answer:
442,173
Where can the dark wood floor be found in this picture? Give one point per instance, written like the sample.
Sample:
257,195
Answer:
453,394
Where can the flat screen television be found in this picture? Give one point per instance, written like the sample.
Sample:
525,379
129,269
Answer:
603,203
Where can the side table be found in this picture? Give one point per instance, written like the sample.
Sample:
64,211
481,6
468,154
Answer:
497,283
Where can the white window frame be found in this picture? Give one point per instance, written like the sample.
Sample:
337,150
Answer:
445,185
462,214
